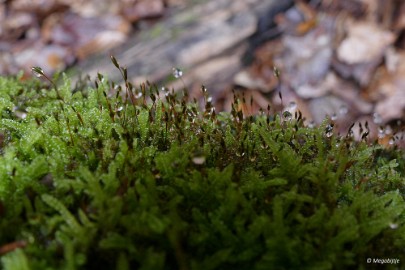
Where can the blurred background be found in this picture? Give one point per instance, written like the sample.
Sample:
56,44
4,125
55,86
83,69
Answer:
343,59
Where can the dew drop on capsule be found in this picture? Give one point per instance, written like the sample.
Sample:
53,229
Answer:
20,114
329,131
292,106
276,72
38,72
343,110
138,95
198,160
391,142
240,154
311,124
203,89
377,118
287,115
393,226
381,133
334,117
177,73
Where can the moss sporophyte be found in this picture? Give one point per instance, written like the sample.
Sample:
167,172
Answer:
120,177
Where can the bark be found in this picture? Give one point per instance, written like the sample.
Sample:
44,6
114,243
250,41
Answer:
206,40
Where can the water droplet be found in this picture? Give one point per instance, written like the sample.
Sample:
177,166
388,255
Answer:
292,106
264,146
177,73
203,89
138,95
377,118
120,108
240,154
287,115
311,124
198,160
343,110
209,99
388,130
20,114
276,72
381,133
329,130
38,72
391,141
334,117
393,226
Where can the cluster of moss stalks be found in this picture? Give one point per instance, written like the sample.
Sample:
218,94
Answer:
107,177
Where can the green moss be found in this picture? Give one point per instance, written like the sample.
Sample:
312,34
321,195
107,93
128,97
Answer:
89,181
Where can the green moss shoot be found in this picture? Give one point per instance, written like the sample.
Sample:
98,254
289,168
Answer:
139,178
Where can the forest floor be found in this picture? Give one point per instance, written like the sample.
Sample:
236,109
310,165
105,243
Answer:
342,59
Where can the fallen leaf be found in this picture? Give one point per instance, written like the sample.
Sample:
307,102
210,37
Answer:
306,59
365,42
86,35
393,107
325,107
245,79
388,89
16,24
140,10
50,57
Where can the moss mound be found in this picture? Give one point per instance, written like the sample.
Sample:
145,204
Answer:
90,181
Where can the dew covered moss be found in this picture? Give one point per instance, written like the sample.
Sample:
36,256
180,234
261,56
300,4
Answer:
88,181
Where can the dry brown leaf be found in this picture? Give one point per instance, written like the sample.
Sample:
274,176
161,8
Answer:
93,8
320,89
389,88
16,24
365,42
305,27
309,14
143,10
400,22
353,8
307,59
371,10
86,35
246,80
50,57
41,8
325,106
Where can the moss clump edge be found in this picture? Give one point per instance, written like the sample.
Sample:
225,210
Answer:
107,177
